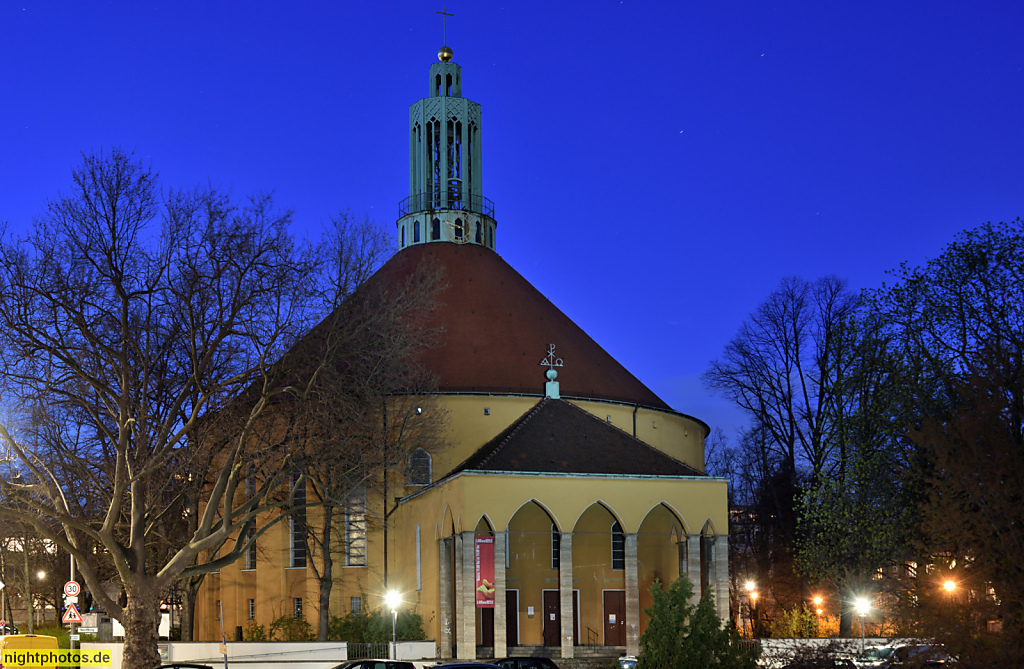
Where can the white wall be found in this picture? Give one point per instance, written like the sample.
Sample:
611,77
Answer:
270,654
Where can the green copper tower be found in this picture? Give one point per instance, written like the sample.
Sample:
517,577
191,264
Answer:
446,202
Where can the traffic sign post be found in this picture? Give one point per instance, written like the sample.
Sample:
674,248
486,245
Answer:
72,615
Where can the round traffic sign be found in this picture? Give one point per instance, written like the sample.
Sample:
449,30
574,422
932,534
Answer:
71,588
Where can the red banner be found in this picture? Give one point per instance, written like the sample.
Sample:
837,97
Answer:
484,553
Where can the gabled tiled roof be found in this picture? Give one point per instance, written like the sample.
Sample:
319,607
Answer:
555,436
497,328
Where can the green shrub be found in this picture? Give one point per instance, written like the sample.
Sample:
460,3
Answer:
288,628
62,634
375,627
254,632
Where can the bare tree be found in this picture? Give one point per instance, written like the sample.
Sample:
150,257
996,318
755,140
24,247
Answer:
141,353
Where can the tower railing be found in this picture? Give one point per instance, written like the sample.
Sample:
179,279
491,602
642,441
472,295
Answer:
477,204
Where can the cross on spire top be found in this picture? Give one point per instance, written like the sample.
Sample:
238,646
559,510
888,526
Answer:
444,12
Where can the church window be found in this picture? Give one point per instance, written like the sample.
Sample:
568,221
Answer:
250,552
416,232
618,546
437,84
419,562
420,467
448,86
556,547
403,235
355,528
297,522
435,229
479,240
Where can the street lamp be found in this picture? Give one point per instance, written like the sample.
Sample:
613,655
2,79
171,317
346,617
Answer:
392,600
41,575
751,588
862,607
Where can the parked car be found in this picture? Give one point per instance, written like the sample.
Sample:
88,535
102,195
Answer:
375,664
922,655
822,663
627,662
874,657
525,663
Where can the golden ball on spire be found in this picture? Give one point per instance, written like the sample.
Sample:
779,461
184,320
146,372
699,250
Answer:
444,54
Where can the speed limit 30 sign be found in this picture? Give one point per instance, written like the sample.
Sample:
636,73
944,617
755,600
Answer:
71,588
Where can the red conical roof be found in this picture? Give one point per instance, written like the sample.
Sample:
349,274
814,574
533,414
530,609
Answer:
497,328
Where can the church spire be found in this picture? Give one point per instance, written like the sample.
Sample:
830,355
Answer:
446,202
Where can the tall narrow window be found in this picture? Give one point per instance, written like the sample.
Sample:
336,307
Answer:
618,546
435,229
416,232
355,605
297,522
250,552
458,228
419,564
252,609
556,547
419,467
479,234
403,235
355,528
297,608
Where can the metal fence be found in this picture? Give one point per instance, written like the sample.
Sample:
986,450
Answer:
364,651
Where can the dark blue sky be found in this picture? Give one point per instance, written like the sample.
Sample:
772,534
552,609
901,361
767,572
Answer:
657,167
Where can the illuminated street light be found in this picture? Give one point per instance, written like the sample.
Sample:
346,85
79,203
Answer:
41,574
949,586
817,604
392,600
750,587
862,606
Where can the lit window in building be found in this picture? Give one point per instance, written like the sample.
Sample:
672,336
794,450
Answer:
355,528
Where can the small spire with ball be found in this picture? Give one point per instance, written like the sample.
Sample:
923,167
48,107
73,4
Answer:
551,361
445,54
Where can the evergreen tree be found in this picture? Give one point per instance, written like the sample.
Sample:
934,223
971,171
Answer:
682,635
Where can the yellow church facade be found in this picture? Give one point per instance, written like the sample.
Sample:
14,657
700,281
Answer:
566,487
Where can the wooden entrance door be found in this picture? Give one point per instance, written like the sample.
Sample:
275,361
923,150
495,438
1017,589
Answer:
615,617
552,618
512,618
487,627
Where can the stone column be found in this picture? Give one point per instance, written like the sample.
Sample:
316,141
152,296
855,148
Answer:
500,601
632,597
447,594
460,588
722,576
693,564
565,593
467,602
